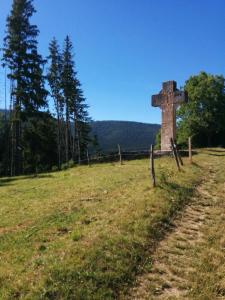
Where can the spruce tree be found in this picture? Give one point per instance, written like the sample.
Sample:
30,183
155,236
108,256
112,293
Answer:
68,84
81,120
75,106
54,79
25,66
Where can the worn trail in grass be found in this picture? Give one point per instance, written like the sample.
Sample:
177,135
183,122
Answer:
189,261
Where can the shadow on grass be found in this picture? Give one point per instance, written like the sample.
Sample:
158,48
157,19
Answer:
185,153
176,188
180,197
217,150
9,180
213,154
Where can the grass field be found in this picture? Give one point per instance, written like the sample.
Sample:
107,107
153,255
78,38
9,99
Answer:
189,262
85,233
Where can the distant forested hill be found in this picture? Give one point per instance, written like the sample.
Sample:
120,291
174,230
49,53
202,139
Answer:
130,135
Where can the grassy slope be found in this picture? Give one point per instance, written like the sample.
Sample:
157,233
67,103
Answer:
83,233
189,263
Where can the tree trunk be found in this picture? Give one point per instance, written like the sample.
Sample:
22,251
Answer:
67,134
58,135
78,141
209,139
74,136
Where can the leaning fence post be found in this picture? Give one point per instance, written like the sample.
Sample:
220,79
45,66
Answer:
190,149
120,155
178,154
175,154
152,167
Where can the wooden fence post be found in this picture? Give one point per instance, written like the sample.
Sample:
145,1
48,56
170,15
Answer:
152,167
178,154
120,155
175,154
190,150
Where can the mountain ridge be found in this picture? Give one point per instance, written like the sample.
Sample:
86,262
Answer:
130,135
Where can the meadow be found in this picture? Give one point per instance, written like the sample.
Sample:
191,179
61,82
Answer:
87,232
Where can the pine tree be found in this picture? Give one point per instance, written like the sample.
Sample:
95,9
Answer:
25,66
54,79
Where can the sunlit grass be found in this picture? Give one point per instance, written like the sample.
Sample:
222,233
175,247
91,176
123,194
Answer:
83,233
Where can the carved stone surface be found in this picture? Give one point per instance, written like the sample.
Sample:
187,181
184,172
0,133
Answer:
168,100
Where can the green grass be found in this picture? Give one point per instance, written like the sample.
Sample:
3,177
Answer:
84,233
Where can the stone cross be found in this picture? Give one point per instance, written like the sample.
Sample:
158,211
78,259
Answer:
168,100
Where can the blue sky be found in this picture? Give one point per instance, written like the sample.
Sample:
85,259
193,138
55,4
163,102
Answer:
124,49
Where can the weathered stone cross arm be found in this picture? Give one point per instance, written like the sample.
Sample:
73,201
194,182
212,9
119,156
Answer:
158,100
169,95
179,97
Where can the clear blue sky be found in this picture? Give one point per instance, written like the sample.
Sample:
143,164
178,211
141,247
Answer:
126,48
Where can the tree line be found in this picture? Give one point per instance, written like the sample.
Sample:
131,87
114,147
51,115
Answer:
203,116
31,138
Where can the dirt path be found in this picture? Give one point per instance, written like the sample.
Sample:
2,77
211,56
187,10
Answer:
172,261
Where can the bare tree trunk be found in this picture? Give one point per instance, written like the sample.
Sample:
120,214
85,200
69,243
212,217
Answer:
12,131
67,133
74,135
58,133
18,158
62,135
5,98
209,139
78,148
78,141
58,142
12,162
70,141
